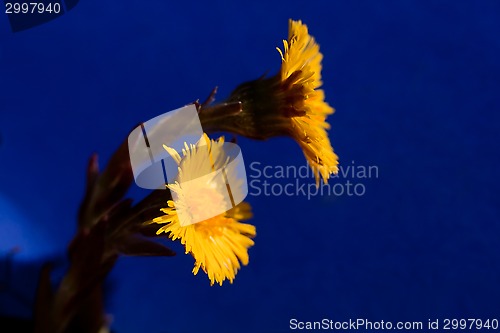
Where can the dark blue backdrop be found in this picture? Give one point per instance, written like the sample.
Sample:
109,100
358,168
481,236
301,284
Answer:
416,88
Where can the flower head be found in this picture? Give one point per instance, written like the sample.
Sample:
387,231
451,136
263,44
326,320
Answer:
301,73
289,104
219,243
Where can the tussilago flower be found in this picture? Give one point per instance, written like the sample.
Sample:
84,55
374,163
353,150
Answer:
218,244
289,104
301,71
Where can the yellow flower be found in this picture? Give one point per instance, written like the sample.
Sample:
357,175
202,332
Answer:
301,74
218,244
288,104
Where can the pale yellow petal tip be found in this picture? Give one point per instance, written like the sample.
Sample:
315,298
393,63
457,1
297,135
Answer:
205,139
173,153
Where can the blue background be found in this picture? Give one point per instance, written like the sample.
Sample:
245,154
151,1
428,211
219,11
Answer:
416,89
